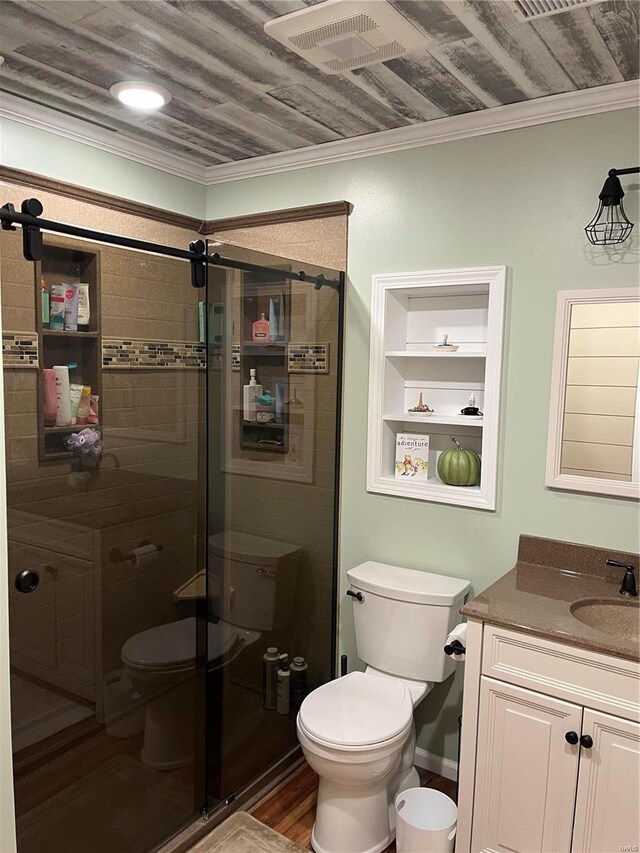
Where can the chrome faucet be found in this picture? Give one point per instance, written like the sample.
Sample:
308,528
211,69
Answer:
628,588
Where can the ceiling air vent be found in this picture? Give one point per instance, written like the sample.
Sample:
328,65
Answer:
531,10
340,35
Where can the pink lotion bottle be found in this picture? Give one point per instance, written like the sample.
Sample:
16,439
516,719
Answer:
50,397
260,329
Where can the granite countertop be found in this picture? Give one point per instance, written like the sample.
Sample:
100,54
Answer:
537,594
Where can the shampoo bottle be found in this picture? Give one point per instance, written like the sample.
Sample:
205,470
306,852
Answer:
282,697
261,329
44,302
250,393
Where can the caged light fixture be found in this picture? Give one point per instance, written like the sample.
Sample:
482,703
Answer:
610,224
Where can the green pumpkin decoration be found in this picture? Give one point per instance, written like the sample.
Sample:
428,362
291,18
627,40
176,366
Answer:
459,467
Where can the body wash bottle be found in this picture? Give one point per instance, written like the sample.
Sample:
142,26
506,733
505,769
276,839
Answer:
251,391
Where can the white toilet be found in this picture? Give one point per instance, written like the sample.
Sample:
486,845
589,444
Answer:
357,732
250,590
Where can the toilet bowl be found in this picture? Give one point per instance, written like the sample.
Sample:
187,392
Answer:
357,732
161,665
353,733
249,585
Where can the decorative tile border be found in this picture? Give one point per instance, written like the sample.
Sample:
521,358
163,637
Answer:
308,358
121,352
20,349
235,357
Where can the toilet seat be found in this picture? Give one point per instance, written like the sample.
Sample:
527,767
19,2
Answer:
172,646
356,711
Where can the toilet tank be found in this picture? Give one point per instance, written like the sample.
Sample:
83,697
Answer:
252,580
403,619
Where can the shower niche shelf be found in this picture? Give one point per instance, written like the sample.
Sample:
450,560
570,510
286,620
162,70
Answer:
64,262
411,313
268,358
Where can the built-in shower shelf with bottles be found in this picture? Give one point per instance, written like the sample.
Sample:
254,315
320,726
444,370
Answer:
268,357
64,262
411,369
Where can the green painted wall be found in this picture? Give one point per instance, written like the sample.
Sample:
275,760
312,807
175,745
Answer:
519,198
34,150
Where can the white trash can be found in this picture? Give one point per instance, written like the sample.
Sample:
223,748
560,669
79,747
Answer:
425,821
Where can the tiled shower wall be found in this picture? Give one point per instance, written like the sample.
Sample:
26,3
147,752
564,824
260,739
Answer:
301,513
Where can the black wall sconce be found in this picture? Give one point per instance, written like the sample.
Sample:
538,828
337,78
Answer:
610,225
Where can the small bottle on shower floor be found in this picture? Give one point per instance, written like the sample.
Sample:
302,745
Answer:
284,678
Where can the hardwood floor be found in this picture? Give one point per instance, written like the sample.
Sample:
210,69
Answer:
290,809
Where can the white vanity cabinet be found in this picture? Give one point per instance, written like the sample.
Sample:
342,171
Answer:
541,771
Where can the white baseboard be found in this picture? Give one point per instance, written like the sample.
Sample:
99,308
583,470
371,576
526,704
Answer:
436,764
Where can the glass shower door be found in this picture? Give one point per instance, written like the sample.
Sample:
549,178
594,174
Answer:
106,564
274,373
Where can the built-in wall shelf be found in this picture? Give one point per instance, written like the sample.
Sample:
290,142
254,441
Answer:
432,354
453,420
411,313
64,261
48,333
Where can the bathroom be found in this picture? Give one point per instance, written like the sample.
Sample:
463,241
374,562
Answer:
503,177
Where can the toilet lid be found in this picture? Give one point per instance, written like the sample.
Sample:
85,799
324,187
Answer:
174,644
357,710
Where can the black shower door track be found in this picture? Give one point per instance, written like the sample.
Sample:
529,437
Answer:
196,254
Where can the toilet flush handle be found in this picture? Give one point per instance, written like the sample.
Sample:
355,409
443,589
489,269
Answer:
357,595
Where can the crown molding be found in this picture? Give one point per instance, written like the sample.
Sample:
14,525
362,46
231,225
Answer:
78,130
276,217
583,102
616,96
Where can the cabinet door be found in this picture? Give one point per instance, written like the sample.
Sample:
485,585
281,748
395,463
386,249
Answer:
608,805
526,772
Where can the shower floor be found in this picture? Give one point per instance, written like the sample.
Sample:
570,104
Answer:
39,711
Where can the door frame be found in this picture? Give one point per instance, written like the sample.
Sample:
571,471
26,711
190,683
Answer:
7,810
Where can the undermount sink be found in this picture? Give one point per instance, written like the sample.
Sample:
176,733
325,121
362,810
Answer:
611,616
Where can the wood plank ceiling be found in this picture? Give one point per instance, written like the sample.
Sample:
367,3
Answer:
239,94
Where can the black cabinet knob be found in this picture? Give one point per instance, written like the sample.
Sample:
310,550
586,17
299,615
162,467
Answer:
572,738
586,741
357,595
27,580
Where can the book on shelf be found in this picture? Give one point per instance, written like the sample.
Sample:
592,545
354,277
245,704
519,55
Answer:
412,456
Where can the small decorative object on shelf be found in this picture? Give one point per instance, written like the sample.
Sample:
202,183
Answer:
412,456
471,410
421,408
459,467
445,346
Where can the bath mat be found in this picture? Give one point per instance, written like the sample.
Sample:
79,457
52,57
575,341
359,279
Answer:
120,807
242,833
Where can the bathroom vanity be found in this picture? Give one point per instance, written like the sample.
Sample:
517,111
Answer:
550,757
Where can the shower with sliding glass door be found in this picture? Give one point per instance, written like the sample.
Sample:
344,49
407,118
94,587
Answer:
172,538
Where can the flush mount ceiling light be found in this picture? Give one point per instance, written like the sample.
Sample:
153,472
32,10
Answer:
610,224
140,96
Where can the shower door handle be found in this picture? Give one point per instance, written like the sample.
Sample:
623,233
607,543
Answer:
27,580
